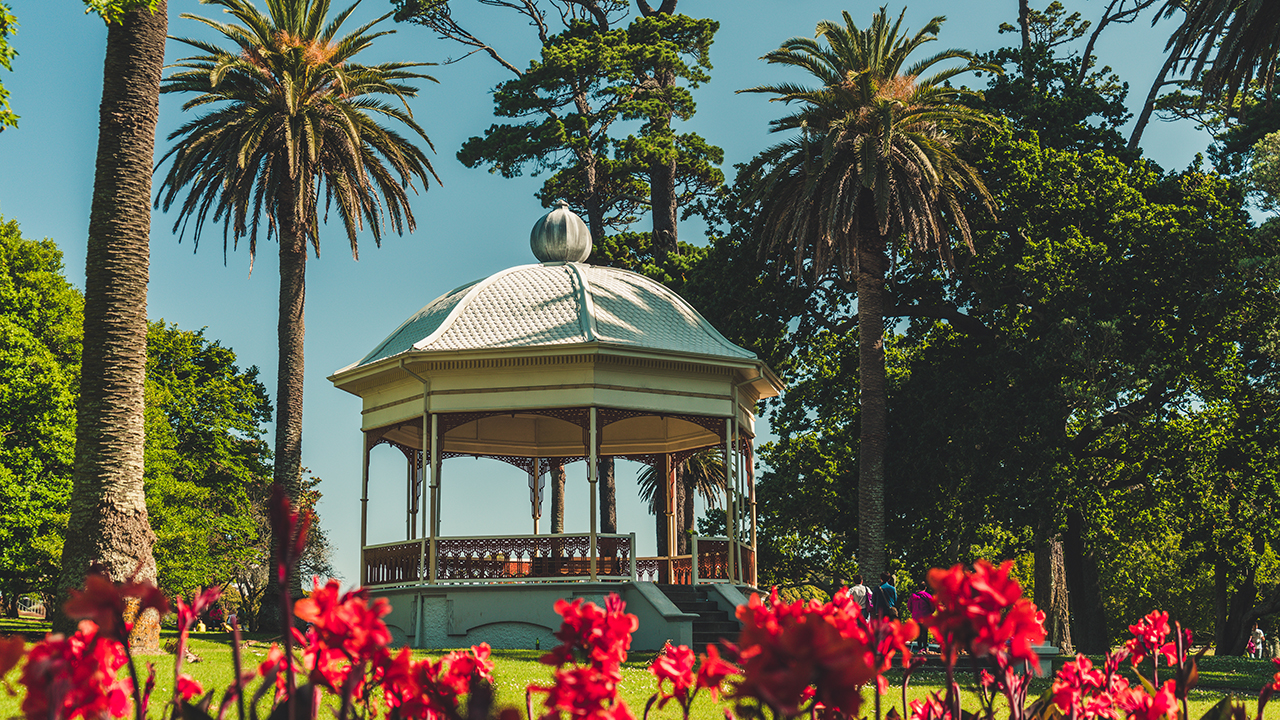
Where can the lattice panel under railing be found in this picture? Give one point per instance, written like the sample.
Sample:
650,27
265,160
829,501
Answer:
648,569
748,565
713,559
535,557
390,564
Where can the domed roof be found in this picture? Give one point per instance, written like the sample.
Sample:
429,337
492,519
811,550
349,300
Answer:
558,304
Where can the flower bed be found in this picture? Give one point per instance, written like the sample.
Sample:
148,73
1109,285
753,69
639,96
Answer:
791,660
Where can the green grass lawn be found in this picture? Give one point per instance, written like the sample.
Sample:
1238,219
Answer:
517,669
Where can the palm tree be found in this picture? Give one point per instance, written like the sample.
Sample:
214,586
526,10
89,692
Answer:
108,524
1236,40
293,117
703,473
873,163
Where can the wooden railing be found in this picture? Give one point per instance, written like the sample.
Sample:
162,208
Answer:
393,563
550,558
533,558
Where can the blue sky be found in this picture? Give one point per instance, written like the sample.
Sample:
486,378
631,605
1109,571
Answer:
471,226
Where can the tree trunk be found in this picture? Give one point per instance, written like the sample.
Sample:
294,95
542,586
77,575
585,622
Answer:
290,329
681,492
1149,105
557,497
662,169
1089,631
1232,610
108,524
872,392
1051,594
1024,25
608,496
688,490
662,186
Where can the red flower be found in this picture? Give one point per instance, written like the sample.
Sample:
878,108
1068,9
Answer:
75,677
424,689
1082,690
275,663
713,671
1149,636
1138,705
983,611
104,602
457,669
345,635
784,648
674,664
584,693
604,634
931,708
12,649
189,687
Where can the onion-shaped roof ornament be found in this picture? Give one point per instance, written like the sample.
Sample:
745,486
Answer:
560,236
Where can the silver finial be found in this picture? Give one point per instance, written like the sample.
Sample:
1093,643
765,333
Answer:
560,236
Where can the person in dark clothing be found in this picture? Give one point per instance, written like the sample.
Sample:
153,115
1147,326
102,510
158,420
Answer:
886,597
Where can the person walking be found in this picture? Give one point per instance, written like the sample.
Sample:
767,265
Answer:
885,599
861,594
921,606
1256,641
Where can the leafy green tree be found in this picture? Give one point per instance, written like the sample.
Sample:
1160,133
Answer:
294,115
1264,171
1062,98
8,26
587,79
40,326
108,523
873,163
206,458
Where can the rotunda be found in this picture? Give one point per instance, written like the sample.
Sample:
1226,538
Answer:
542,365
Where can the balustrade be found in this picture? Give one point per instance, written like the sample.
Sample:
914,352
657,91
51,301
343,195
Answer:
532,558
393,563
549,558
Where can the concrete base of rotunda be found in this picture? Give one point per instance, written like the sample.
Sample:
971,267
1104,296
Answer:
523,616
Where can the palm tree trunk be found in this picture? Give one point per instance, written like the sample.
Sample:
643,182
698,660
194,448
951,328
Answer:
557,497
608,495
873,394
687,490
1051,587
290,329
108,523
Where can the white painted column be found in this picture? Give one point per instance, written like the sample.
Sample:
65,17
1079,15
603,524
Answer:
593,455
408,494
433,426
749,463
728,491
364,506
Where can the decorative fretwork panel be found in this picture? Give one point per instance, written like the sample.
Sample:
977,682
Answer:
533,557
682,570
393,564
648,569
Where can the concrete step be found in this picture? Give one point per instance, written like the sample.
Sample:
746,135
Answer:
697,606
726,627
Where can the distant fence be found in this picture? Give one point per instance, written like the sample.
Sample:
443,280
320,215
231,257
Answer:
31,606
